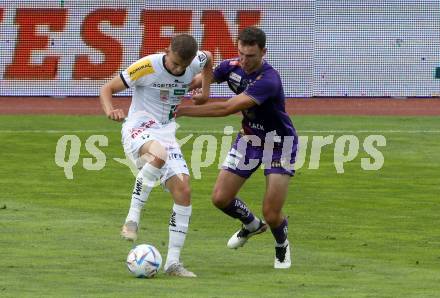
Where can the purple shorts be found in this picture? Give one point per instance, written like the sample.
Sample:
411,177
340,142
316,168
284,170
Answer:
248,153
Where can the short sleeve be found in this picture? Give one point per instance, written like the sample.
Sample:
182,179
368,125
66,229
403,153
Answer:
199,62
221,72
264,87
136,73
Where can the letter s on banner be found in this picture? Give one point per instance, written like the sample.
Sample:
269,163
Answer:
109,46
154,20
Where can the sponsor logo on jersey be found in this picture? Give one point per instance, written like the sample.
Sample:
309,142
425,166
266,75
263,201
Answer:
179,92
235,77
254,125
234,62
234,86
140,69
164,94
164,85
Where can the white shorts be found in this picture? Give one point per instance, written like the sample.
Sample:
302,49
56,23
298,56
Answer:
134,137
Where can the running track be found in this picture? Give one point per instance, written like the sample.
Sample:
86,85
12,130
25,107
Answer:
297,106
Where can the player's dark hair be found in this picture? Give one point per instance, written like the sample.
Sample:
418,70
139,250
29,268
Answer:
185,46
251,36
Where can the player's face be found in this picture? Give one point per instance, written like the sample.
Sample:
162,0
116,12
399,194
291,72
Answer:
251,57
175,64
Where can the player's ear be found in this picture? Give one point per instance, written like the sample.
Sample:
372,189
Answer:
264,51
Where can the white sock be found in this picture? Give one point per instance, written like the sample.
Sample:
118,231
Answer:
145,180
178,227
253,225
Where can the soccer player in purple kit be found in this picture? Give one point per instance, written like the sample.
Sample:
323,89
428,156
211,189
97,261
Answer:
267,136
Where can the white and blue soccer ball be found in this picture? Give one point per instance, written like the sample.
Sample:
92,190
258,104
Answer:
144,260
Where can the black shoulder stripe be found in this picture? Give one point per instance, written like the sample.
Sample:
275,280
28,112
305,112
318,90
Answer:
123,80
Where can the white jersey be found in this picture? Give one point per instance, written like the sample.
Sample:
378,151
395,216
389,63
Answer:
157,92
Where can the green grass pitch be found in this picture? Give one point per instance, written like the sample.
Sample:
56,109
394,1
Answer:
356,234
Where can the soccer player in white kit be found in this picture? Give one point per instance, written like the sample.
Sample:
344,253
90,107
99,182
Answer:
159,82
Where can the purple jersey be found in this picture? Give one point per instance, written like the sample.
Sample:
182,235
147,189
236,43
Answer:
265,88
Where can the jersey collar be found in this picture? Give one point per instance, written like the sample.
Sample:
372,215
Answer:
164,66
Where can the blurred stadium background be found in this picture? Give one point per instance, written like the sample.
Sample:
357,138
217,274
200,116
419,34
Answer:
321,48
358,234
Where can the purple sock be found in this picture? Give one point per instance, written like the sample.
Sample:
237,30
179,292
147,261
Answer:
280,232
238,209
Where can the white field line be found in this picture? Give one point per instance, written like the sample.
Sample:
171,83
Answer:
97,131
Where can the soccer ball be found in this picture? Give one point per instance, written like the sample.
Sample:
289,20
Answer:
144,261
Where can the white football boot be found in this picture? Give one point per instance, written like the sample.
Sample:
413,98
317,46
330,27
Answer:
241,236
282,256
177,269
129,231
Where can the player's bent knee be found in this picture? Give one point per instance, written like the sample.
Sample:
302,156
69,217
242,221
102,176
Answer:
157,162
185,193
218,199
154,153
180,189
272,217
182,195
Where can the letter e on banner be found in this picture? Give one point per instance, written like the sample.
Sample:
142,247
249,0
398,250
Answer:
28,40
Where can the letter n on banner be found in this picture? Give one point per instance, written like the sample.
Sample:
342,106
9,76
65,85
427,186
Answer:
217,37
246,18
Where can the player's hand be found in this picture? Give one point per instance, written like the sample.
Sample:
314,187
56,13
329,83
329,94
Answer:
197,97
116,115
179,112
195,83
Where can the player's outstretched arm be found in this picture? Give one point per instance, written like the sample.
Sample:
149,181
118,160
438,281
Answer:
115,85
218,109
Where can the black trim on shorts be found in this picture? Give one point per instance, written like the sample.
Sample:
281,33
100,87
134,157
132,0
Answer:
123,80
